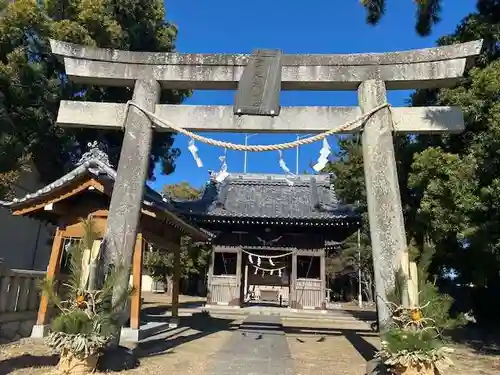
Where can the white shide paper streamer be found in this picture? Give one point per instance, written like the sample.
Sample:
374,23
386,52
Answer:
194,151
285,168
223,173
323,156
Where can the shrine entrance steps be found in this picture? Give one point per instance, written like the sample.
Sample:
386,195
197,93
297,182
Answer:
338,315
258,347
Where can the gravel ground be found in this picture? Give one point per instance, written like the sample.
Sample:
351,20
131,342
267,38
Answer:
181,352
333,355
317,348
469,362
336,349
322,348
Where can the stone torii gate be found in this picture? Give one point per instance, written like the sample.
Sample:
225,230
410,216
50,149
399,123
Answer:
259,79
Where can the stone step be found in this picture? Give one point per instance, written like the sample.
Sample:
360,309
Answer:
286,314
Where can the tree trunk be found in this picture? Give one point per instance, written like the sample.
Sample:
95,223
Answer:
368,287
168,285
352,292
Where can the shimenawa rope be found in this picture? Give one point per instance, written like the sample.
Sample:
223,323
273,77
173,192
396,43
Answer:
267,256
255,148
268,269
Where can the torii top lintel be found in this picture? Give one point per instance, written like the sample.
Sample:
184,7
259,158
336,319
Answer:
423,68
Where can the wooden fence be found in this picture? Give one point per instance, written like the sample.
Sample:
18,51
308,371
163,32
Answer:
310,294
19,298
224,290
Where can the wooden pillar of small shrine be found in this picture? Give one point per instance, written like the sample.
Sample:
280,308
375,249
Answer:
322,270
176,279
210,275
40,328
239,262
135,303
293,282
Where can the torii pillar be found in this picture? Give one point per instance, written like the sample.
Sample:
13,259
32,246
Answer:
385,210
370,74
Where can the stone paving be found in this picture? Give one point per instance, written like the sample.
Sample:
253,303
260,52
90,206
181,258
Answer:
258,347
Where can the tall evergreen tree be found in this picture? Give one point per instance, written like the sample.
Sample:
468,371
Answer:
347,166
428,13
456,176
32,80
449,184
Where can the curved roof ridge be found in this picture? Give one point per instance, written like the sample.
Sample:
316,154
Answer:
100,168
93,166
277,179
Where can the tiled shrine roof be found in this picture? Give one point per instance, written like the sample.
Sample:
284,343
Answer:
308,197
93,167
99,169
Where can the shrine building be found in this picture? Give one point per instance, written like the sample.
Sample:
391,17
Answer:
272,236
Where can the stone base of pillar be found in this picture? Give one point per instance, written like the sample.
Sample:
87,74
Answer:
135,335
39,331
220,306
128,334
296,305
173,323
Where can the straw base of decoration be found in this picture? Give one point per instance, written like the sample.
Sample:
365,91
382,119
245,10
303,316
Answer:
71,365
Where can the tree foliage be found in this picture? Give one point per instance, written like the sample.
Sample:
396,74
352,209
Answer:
182,191
159,263
32,80
347,167
456,176
352,261
87,319
428,13
449,183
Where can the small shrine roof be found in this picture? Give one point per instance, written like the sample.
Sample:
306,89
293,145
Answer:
94,166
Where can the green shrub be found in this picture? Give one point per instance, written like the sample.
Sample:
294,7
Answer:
397,340
436,306
73,322
412,347
88,318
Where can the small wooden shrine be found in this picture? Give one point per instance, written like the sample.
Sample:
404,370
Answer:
84,193
272,235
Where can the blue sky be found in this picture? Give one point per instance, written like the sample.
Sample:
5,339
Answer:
321,26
